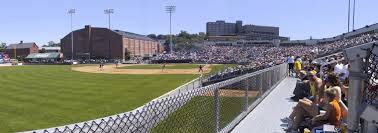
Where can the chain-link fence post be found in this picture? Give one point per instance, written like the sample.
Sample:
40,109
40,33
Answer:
354,101
246,87
200,81
187,87
193,86
268,79
260,83
216,109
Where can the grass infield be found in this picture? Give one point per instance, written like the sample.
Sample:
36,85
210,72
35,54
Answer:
34,97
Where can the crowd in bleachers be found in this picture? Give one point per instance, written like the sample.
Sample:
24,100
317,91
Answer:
262,55
321,93
347,42
230,72
252,58
322,88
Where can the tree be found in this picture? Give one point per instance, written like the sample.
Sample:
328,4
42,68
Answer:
185,40
3,47
184,34
152,36
52,44
43,50
161,37
127,55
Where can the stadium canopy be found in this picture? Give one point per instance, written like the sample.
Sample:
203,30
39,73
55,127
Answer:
43,56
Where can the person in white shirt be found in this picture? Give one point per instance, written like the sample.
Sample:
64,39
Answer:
344,72
338,68
290,61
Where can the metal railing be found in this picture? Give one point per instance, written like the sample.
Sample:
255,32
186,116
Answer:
194,84
217,107
363,88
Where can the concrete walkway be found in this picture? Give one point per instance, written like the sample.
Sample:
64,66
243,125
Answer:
266,117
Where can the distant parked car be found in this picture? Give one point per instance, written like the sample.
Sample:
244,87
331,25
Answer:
14,62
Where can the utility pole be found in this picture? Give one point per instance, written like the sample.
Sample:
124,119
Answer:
71,12
354,12
170,10
348,15
109,12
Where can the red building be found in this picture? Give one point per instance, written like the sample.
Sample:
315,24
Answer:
100,43
21,49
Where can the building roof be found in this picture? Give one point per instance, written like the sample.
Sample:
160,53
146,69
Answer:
43,56
50,48
21,45
132,35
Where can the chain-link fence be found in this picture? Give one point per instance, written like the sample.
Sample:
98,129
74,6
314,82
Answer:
371,71
214,108
362,92
194,84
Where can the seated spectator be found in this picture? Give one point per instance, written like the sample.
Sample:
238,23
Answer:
344,90
333,112
302,88
315,85
307,108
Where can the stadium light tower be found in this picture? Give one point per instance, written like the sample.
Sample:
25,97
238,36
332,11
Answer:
109,12
71,12
170,10
354,12
348,14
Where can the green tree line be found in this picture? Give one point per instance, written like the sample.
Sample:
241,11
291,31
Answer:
183,40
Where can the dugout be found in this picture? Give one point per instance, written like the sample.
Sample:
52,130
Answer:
43,57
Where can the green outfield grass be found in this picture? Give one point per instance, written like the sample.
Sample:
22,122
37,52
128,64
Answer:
158,66
34,97
198,115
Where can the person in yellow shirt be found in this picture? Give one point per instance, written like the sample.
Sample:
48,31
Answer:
297,67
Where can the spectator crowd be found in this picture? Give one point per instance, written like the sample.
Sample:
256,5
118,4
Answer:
322,88
321,95
252,58
260,55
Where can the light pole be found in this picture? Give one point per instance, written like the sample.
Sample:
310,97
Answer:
109,12
348,14
71,12
170,10
354,11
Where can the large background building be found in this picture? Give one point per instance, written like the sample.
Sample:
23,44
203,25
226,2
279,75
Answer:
21,49
222,31
102,43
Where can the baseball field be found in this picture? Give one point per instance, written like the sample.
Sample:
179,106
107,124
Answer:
34,97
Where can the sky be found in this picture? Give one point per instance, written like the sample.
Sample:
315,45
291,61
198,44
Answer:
41,21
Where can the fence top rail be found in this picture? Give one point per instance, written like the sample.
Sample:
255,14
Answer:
359,51
320,58
168,93
236,79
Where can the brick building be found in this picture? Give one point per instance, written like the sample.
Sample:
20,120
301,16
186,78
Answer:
228,31
21,49
102,43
